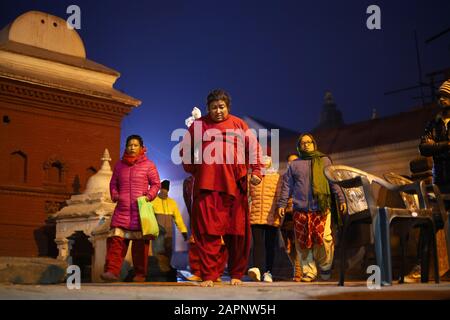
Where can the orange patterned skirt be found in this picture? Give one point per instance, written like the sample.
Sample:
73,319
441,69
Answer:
309,228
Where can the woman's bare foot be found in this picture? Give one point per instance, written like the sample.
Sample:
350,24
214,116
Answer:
236,282
207,283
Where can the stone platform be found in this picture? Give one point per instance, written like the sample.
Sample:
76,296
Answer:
282,290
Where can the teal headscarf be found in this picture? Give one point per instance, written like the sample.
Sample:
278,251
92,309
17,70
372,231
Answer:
320,186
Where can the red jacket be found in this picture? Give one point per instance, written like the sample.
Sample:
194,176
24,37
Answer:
222,177
127,184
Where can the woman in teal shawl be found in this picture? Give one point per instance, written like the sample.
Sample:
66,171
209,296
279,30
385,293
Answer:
312,201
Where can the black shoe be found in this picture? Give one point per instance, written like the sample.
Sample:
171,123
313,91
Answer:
109,277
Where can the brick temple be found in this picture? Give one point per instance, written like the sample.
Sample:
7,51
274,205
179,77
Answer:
59,111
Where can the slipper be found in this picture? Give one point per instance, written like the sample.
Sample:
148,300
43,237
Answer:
308,279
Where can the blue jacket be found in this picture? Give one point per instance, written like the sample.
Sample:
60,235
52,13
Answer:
297,183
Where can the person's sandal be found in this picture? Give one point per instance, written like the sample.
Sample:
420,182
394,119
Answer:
194,278
308,278
254,274
139,279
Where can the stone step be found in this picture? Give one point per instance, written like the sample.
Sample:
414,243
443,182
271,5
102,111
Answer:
36,270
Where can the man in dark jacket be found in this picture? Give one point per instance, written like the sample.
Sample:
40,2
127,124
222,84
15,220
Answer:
436,141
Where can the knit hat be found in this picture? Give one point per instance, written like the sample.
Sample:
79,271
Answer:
445,88
165,184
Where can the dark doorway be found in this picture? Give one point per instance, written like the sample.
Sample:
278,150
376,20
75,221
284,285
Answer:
81,253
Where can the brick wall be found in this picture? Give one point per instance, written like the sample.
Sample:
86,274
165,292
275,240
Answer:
59,144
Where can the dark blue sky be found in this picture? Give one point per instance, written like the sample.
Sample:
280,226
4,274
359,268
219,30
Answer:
276,58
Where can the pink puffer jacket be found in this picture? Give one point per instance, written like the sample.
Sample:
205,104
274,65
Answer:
127,184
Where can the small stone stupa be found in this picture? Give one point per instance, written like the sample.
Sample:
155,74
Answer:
89,213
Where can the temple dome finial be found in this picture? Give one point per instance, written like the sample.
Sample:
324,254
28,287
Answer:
99,182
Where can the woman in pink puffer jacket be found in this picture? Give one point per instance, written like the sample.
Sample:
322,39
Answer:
134,176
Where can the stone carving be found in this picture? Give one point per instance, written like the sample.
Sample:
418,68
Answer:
89,212
52,207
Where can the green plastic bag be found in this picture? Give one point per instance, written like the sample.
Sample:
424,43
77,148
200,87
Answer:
148,220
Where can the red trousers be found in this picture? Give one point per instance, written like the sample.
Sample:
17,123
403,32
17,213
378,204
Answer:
117,248
194,260
216,215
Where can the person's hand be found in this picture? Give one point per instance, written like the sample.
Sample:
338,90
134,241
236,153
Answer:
343,207
255,180
281,212
185,236
146,196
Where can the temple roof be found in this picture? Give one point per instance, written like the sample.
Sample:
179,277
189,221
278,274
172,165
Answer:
400,127
39,48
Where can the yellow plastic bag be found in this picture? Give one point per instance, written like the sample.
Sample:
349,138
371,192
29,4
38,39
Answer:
148,220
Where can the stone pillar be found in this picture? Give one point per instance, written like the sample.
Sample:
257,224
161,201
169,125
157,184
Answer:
98,258
98,238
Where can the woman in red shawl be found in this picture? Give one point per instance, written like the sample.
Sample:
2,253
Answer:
220,222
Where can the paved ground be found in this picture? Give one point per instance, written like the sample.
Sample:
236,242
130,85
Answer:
224,291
